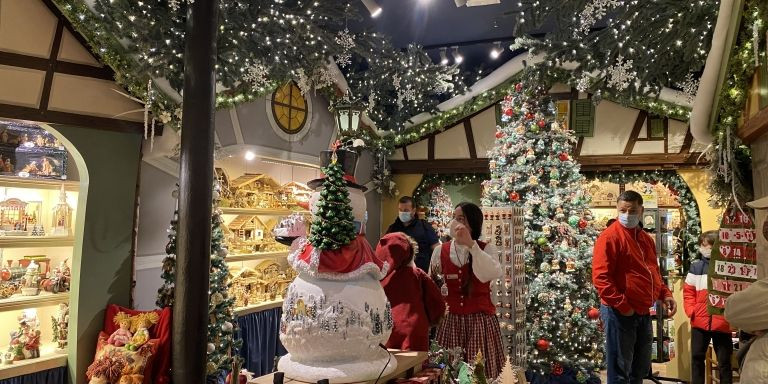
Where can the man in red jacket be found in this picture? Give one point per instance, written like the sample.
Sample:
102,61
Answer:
625,273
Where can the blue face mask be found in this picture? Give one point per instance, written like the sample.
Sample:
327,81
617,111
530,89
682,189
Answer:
629,221
405,216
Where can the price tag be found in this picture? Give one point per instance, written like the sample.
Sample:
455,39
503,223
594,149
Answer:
741,270
737,235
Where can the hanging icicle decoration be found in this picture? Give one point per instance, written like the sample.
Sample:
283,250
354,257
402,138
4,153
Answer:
152,136
146,108
756,41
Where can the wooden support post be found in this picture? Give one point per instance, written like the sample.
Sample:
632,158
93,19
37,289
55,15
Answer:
190,309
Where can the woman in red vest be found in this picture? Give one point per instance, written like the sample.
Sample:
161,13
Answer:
467,266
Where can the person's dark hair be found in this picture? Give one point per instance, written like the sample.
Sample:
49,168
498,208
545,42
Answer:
710,237
630,197
474,216
609,222
406,200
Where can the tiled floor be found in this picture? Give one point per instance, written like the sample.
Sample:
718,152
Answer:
661,370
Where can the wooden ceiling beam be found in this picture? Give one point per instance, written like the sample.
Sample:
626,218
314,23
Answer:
755,127
67,118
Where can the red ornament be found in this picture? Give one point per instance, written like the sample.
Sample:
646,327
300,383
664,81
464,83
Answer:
583,223
509,112
557,369
542,345
529,116
499,134
514,196
563,156
542,123
519,87
593,313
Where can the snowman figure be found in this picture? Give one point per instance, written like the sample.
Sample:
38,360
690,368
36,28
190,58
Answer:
335,313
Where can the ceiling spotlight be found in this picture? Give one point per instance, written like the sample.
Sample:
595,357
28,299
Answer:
457,57
372,7
496,50
443,56
250,155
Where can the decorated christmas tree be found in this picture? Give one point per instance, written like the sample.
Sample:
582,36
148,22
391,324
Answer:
223,342
531,167
440,210
333,225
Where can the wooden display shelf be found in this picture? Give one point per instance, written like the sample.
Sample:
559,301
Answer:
256,256
36,241
49,358
261,211
22,182
242,311
44,299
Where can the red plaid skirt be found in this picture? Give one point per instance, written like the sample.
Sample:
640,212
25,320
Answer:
473,333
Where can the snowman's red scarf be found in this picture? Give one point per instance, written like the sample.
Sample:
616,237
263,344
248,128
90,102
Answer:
346,263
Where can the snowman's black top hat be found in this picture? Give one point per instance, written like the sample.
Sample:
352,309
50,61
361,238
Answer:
348,161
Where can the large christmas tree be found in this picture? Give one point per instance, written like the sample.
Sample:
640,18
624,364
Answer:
223,339
531,167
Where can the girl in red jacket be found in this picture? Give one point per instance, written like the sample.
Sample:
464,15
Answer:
416,301
706,327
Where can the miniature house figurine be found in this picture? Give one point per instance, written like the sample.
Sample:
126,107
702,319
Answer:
62,216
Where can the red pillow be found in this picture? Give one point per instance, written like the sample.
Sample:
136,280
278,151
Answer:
159,368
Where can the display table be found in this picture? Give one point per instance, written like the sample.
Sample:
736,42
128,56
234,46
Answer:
408,363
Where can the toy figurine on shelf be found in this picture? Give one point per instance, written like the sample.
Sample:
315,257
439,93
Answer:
60,277
47,168
31,280
62,215
31,168
122,335
8,166
61,326
25,342
141,324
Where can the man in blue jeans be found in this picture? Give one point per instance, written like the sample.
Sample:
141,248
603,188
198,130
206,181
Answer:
625,273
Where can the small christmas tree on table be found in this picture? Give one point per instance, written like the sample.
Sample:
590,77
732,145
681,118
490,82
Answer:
333,225
223,342
531,167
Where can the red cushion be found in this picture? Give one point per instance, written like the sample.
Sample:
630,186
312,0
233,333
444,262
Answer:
159,367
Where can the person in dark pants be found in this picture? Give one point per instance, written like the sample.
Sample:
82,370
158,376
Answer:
706,327
421,231
626,274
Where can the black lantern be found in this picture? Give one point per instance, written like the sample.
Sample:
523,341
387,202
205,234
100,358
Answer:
348,113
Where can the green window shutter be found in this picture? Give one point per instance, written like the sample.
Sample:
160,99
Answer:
656,128
583,118
763,82
498,114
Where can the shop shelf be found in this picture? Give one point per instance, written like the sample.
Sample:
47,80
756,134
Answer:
21,182
49,358
260,211
36,241
17,301
258,307
256,256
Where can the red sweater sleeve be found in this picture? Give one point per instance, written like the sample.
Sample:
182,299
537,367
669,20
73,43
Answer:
603,262
434,304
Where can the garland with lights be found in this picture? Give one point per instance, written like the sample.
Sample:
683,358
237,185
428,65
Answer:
421,193
260,46
675,183
730,160
623,47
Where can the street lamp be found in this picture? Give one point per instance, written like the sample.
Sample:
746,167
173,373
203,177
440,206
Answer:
348,113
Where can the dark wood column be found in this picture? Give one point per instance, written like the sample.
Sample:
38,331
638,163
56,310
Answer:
190,309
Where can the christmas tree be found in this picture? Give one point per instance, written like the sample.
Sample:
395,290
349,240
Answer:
223,340
333,226
440,210
531,167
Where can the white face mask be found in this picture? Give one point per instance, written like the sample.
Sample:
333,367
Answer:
452,228
705,251
405,216
629,221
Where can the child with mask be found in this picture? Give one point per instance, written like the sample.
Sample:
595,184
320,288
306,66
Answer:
706,327
416,301
467,266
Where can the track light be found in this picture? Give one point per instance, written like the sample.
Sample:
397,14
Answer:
372,7
458,58
496,50
443,56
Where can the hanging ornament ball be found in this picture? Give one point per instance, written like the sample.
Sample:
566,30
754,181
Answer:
509,112
557,369
217,298
583,223
215,195
499,134
543,296
573,221
514,196
563,156
533,180
555,126
542,345
534,128
175,194
227,326
210,348
542,123
581,377
529,116
518,87
545,267
222,252
520,160
593,313
541,240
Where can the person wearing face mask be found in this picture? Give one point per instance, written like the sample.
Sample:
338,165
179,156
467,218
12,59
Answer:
407,222
706,327
466,267
625,273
